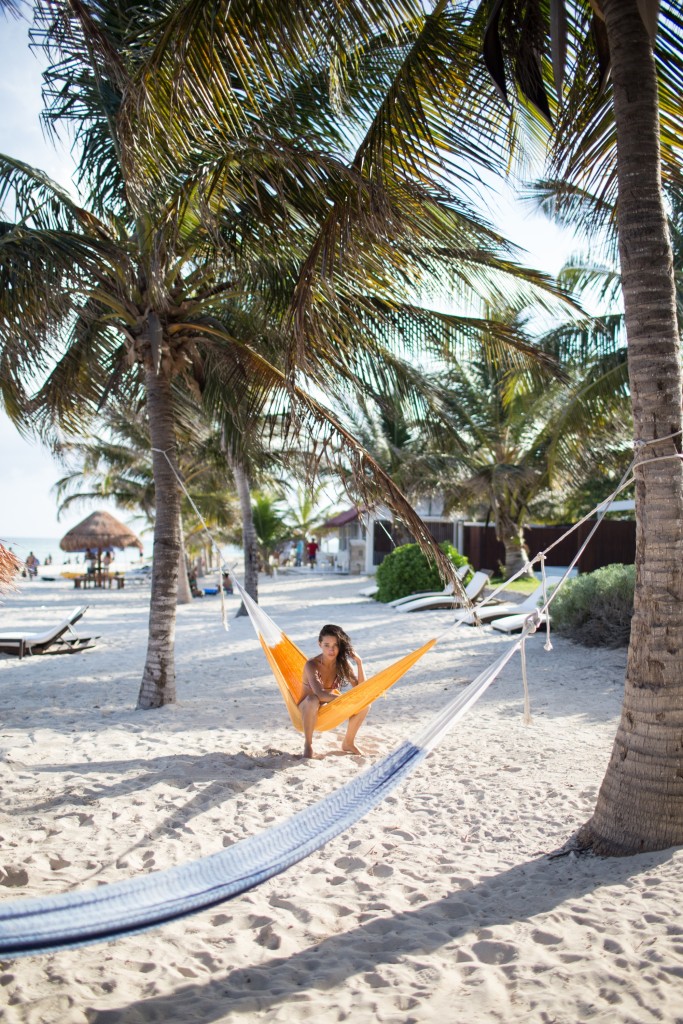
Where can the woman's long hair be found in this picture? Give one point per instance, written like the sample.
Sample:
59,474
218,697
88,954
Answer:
345,655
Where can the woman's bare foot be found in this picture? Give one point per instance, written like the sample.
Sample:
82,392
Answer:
308,750
351,748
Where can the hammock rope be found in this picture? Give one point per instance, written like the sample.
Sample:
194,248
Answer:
85,916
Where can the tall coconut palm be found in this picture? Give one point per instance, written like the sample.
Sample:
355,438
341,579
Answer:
623,141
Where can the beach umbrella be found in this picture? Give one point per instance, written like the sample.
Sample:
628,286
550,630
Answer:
97,533
9,567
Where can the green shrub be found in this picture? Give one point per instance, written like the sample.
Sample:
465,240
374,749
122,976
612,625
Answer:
596,609
407,571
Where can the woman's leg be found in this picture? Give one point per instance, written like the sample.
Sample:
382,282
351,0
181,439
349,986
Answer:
354,724
309,715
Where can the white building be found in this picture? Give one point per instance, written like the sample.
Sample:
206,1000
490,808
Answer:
367,537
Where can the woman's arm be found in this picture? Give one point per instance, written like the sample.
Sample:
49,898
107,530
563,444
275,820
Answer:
360,671
312,680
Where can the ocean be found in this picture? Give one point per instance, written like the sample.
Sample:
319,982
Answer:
42,547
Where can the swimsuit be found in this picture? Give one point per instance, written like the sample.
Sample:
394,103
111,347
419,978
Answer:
335,688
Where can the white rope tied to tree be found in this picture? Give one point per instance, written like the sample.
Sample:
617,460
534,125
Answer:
525,683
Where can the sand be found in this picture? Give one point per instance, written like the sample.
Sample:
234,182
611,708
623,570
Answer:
442,904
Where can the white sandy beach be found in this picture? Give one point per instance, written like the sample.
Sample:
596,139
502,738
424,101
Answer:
441,905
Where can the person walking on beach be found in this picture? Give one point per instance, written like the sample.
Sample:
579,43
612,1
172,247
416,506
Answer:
312,552
323,676
31,564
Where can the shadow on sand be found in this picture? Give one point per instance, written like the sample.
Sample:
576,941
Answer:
539,886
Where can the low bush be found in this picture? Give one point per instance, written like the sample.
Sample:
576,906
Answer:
407,571
596,609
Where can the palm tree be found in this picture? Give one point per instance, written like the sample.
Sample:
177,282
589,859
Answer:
628,136
305,508
623,141
270,526
514,446
117,464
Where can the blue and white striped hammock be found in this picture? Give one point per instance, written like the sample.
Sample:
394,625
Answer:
121,908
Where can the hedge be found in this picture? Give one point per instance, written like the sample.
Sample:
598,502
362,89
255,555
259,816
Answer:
595,609
406,570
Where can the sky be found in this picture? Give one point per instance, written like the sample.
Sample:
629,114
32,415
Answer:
28,474
28,471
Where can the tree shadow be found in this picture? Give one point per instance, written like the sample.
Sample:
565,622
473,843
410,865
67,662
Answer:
519,894
226,774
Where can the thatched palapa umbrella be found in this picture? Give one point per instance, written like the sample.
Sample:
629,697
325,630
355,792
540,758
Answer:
98,532
9,567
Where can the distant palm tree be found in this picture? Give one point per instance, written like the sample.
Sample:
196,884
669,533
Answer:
117,464
305,508
270,526
514,445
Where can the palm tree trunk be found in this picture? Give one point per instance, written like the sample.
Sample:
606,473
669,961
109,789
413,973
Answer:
158,679
249,538
511,535
640,804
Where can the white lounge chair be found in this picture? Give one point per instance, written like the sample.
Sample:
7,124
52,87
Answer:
497,611
61,639
515,623
473,591
368,591
461,572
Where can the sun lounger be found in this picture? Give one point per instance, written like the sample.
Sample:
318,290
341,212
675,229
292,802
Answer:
61,639
368,591
448,589
473,591
498,611
514,623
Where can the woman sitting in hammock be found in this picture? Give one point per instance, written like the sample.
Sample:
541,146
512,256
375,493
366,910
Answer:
323,677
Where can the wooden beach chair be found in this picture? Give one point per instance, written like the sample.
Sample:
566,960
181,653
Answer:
61,639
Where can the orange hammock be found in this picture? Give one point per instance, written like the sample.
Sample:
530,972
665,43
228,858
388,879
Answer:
287,663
